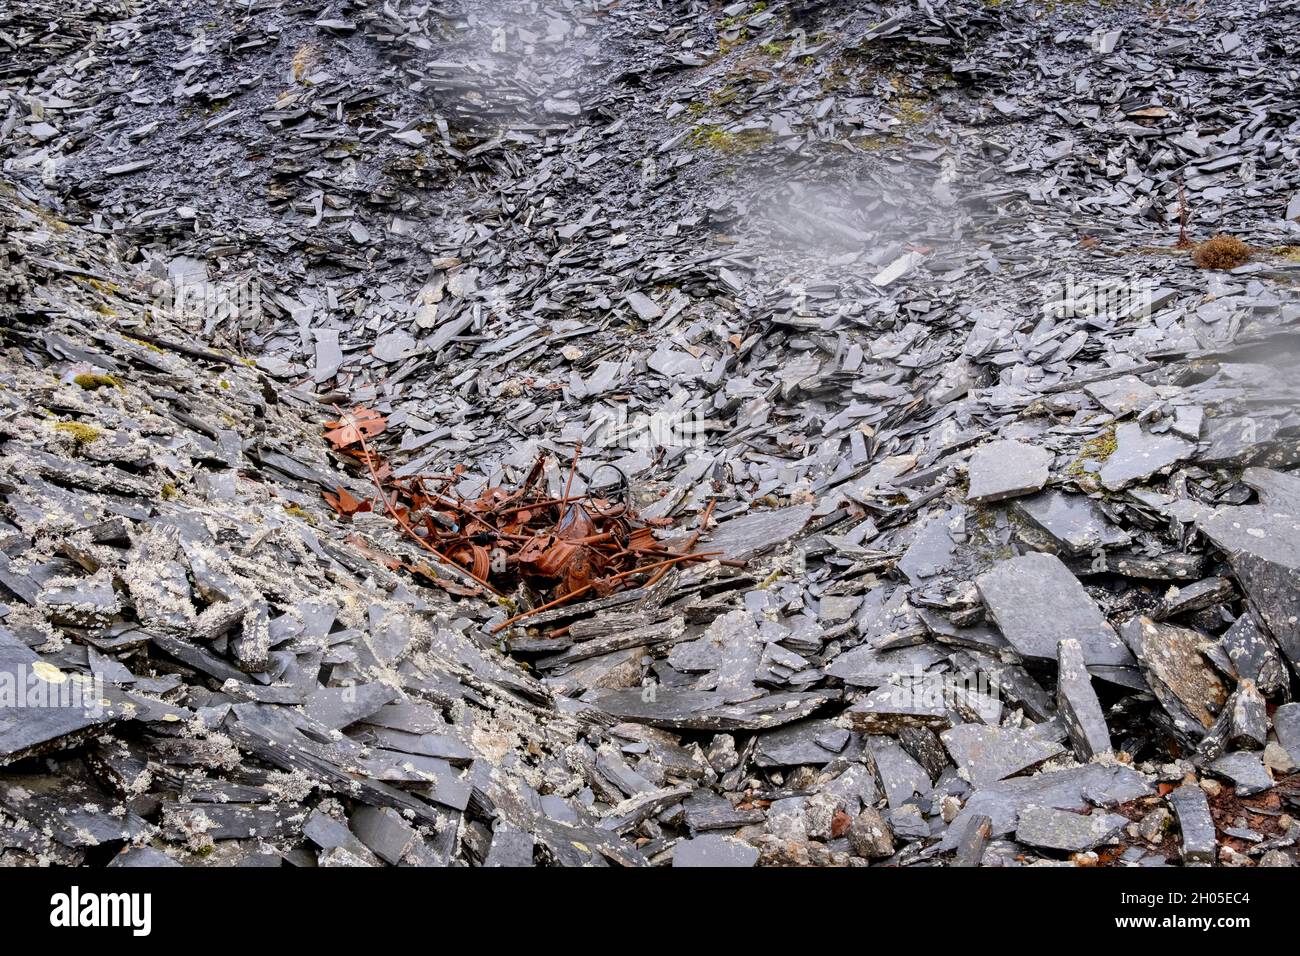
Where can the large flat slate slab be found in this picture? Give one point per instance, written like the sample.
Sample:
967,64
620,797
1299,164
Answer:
1037,603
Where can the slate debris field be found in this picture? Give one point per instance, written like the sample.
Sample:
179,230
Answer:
649,433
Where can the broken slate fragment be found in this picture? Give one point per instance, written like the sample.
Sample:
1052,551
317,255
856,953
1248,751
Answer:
1139,454
1171,660
898,268
339,707
1246,770
972,840
383,830
510,847
45,708
643,306
1077,703
1195,822
1005,469
683,709
985,755
1064,830
712,850
1037,603
1286,724
1124,395
1075,523
1075,788
1263,547
811,742
752,534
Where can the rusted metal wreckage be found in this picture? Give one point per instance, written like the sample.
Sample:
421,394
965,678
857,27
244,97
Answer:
559,548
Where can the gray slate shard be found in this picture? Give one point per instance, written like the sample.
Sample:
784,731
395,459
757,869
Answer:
145,856
855,787
46,708
1077,788
339,707
510,847
1139,455
1011,681
1195,823
1246,770
739,654
865,666
925,748
253,648
85,603
383,830
889,708
1122,396
1263,547
972,840
708,710
1171,659
276,738
72,812
1194,597
332,835
933,547
1076,524
1037,602
20,585
1077,703
752,534
706,810
1286,724
988,754
902,777
1247,717
1276,489
1054,829
711,850
643,306
393,347
231,821
813,742
1006,469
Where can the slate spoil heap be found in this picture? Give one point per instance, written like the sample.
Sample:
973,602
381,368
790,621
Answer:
890,314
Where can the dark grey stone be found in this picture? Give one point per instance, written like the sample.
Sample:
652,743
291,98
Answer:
711,850
1194,823
988,754
1246,770
1077,703
1138,455
1076,524
1054,829
1037,603
1006,469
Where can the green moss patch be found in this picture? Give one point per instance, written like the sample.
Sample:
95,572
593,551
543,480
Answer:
80,433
